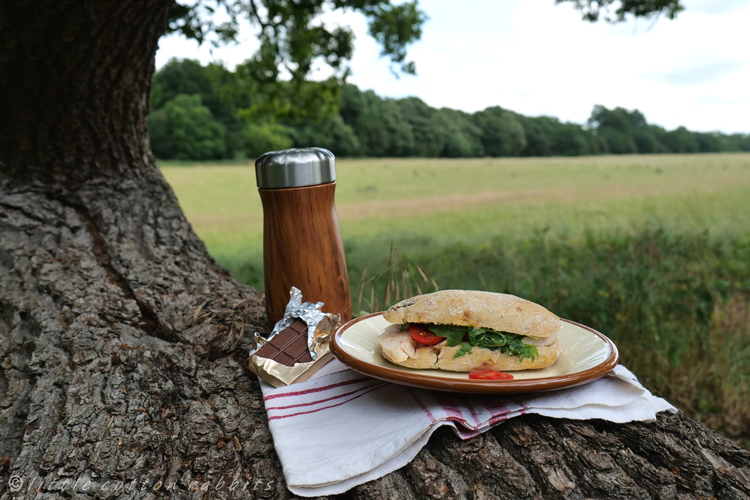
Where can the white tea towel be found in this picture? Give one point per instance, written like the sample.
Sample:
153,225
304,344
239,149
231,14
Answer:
366,428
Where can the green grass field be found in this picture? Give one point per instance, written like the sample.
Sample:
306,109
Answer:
425,204
653,251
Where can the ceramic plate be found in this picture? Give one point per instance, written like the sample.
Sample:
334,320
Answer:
586,356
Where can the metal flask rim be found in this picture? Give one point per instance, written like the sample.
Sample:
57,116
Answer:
295,167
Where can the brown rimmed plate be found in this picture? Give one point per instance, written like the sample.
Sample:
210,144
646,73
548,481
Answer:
586,356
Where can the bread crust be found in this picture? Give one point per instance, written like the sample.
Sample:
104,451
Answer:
480,358
440,356
498,311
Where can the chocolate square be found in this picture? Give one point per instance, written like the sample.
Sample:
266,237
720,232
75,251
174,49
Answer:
289,346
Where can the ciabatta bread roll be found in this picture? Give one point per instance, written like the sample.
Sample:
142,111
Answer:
502,332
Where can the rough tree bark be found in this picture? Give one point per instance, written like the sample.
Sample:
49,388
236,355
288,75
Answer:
122,343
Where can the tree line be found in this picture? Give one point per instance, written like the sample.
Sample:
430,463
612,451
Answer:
209,112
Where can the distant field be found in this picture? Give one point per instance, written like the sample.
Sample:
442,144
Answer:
422,203
654,251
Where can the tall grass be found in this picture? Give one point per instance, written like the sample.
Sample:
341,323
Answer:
399,278
677,306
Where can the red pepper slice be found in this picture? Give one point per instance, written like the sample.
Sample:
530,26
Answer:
423,335
489,375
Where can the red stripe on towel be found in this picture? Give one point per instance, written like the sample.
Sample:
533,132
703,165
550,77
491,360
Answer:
316,389
421,405
473,413
503,415
278,417
340,371
451,408
318,401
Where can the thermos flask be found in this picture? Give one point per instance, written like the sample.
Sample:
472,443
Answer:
302,244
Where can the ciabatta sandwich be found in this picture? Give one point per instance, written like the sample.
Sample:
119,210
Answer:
464,330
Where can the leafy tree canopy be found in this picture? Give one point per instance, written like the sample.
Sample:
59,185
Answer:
184,129
293,37
263,137
369,125
502,133
614,11
273,95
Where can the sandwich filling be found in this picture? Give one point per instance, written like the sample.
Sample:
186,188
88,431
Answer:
469,336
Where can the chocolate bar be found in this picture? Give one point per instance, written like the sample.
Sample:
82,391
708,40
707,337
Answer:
289,346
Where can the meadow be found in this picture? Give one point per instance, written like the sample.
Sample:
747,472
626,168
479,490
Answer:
653,251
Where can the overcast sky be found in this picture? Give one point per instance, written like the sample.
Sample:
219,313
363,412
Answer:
538,58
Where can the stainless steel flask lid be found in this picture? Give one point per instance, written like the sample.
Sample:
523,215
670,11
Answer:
295,168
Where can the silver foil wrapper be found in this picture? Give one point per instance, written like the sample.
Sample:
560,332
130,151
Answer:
306,311
320,327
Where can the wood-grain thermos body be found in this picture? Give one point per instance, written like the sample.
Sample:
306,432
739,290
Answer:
302,244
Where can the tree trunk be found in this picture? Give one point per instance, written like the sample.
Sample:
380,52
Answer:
123,345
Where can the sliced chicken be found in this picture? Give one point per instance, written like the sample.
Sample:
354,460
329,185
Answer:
398,347
395,345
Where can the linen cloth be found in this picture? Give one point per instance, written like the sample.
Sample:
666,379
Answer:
341,428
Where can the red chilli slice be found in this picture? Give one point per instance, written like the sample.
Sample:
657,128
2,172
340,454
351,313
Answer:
489,375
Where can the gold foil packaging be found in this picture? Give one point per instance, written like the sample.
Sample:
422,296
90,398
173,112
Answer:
290,354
